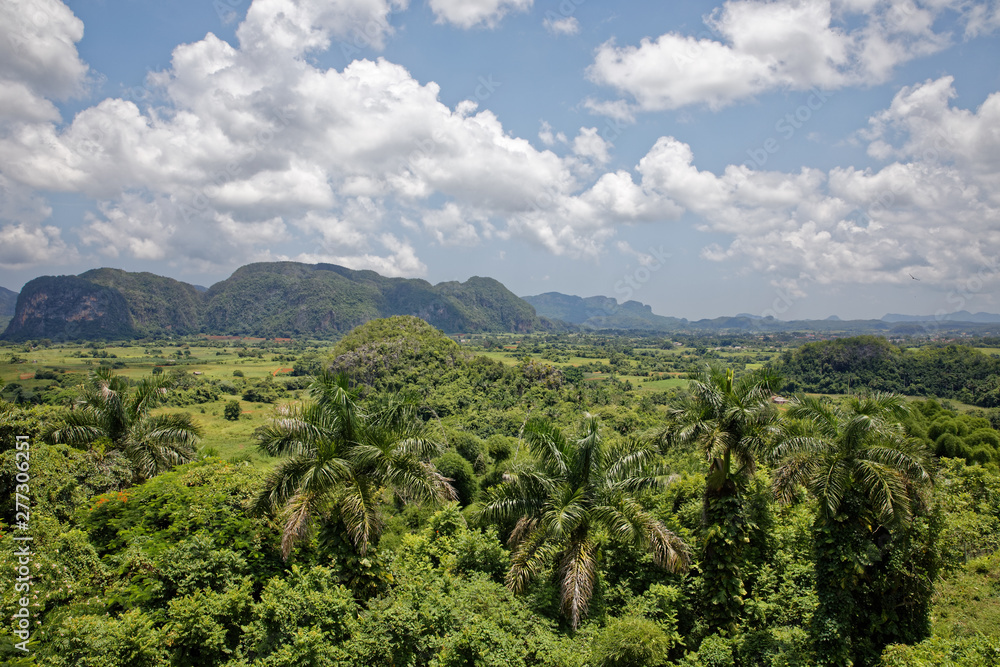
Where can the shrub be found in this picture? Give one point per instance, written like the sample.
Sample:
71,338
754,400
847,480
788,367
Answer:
631,641
232,411
456,468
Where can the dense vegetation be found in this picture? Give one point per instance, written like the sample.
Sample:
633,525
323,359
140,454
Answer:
949,371
612,501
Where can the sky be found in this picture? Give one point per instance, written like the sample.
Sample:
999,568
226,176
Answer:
791,158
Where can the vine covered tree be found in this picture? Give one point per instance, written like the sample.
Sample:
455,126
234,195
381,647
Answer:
867,476
339,457
564,493
113,411
733,421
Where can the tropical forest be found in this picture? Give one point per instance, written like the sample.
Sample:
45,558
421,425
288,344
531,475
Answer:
396,495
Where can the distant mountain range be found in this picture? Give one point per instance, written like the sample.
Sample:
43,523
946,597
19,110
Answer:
279,299
958,316
293,300
600,312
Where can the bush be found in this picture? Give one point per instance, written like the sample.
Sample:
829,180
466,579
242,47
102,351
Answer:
631,641
468,446
454,467
232,411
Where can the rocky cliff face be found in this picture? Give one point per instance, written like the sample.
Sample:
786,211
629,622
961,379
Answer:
69,308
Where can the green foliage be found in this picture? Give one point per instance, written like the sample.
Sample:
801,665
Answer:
566,490
733,422
299,618
461,475
629,641
967,603
110,408
969,496
869,362
232,411
131,639
337,457
715,651
981,651
208,497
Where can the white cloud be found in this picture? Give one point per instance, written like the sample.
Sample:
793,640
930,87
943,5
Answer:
450,225
590,145
564,26
296,27
253,141
472,13
38,59
548,137
932,212
402,260
617,109
761,46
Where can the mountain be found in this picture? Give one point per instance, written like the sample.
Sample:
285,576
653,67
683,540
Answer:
69,308
601,312
285,299
8,302
958,316
155,304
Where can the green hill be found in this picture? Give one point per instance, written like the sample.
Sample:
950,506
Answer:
275,299
155,303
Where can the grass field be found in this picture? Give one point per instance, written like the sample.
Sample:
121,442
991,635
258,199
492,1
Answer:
222,437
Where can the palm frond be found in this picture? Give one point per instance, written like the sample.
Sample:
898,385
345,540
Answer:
578,571
359,512
548,443
296,517
528,559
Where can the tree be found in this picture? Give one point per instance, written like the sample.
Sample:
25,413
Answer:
113,410
733,422
339,457
563,494
232,411
867,475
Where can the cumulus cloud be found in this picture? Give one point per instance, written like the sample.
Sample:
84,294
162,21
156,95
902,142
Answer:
933,211
756,46
25,245
401,260
252,148
589,144
476,13
250,143
38,59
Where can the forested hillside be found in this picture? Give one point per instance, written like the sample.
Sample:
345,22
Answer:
949,371
275,299
400,498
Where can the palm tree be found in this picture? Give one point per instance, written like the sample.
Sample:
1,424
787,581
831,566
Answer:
567,492
113,410
340,457
867,476
733,421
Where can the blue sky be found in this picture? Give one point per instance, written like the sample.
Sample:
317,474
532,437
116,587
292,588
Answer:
795,158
